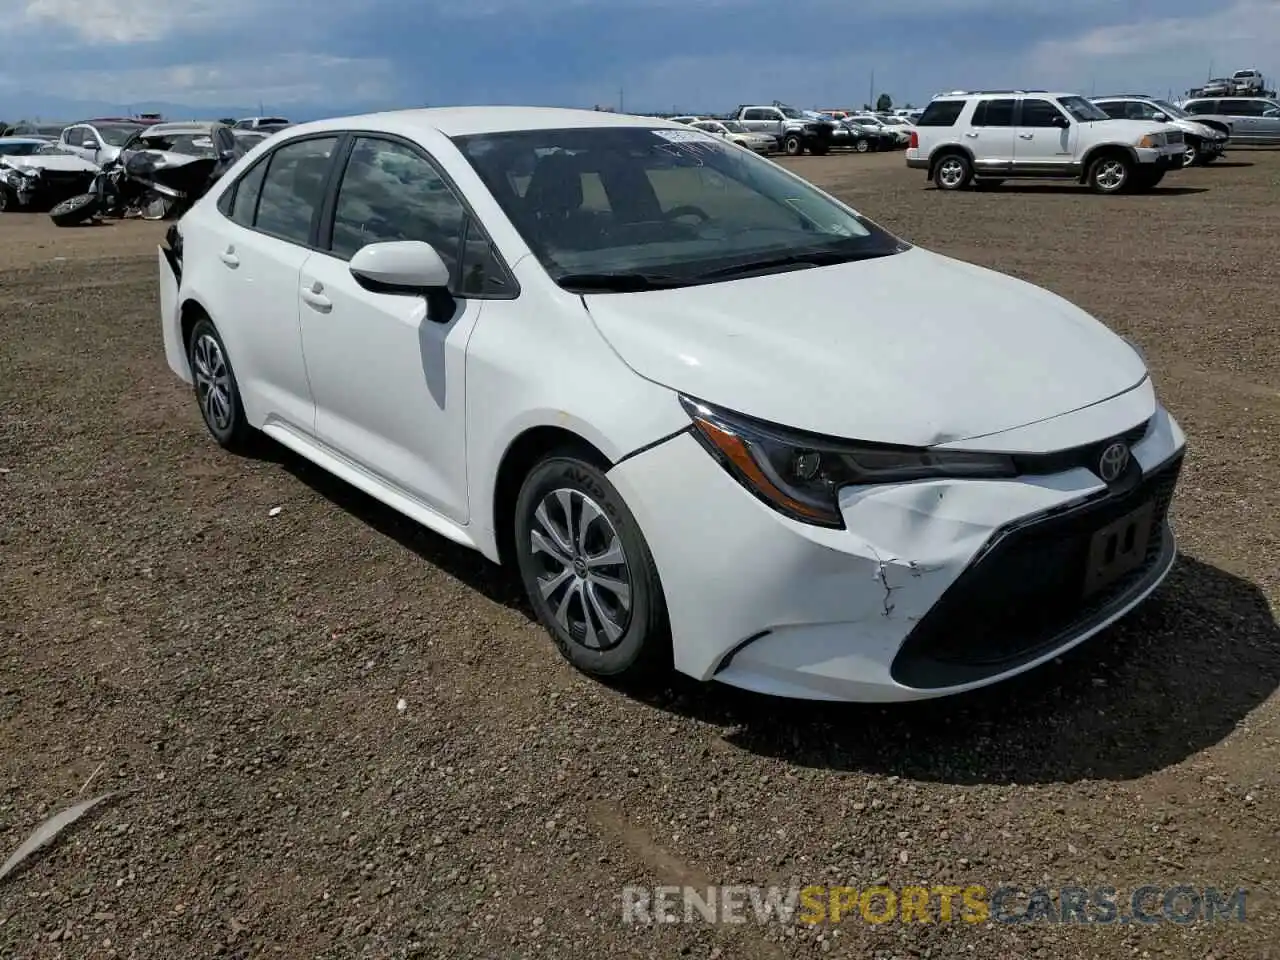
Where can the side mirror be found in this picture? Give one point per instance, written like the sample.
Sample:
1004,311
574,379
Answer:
91,145
404,265
1061,122
1159,117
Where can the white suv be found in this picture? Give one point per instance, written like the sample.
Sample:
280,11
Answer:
995,135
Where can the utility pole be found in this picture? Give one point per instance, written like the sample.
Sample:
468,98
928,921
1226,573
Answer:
871,98
621,101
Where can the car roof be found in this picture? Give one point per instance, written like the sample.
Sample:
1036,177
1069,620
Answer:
464,121
180,127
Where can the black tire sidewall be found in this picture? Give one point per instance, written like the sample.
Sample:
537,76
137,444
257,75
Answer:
237,432
792,140
6,199
644,644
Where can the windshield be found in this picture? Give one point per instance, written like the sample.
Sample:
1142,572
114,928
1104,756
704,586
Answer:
1169,110
1082,109
20,149
733,126
674,204
791,113
117,134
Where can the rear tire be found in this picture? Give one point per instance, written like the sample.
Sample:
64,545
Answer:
216,388
952,172
74,210
588,571
862,146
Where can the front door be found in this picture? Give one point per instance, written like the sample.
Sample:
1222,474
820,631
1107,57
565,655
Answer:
388,369
1045,139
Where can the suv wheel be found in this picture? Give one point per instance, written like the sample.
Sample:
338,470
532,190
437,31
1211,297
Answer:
588,571
1190,153
792,145
1110,173
952,172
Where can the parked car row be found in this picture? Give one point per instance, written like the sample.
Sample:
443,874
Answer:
778,127
48,170
1118,143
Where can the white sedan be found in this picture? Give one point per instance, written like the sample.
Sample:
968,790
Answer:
618,355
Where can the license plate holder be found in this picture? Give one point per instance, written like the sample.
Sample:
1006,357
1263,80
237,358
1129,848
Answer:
1118,548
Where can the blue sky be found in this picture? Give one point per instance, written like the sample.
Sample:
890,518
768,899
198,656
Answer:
317,56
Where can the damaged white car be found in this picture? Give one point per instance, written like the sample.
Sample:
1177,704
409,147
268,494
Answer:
618,355
37,174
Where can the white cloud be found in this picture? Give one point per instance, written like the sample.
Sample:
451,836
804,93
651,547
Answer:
280,80
1243,35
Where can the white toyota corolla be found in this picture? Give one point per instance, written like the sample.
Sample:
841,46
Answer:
619,355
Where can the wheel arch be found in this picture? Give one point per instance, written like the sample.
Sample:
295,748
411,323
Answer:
1106,149
524,451
949,150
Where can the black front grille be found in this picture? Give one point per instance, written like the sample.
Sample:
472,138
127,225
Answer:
1086,456
1025,592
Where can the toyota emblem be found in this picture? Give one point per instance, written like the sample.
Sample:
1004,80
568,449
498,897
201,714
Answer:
1113,461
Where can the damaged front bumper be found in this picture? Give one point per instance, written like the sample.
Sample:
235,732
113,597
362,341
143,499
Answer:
41,189
935,587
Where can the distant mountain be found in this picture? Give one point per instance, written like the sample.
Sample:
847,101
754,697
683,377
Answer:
24,105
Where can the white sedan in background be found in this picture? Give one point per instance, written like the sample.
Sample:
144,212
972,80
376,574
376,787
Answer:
619,355
735,132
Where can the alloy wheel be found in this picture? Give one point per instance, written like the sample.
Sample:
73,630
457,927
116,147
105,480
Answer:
585,578
213,383
1111,175
951,172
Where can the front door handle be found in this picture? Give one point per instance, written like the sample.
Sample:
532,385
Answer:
1026,136
313,296
228,256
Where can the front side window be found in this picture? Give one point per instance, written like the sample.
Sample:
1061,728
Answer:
1169,110
1202,107
294,188
1040,113
683,205
1116,110
74,137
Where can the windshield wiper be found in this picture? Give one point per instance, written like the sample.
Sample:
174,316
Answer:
625,282
814,258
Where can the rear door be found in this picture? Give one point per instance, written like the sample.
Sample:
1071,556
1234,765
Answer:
1247,116
991,135
273,212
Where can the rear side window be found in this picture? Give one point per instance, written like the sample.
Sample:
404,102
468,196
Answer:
294,188
995,113
1244,108
941,113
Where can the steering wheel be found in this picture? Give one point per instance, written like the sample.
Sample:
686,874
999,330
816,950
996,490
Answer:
688,210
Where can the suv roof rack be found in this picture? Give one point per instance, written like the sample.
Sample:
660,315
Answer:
971,93
1113,96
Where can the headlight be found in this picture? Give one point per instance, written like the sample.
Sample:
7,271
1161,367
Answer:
800,475
1152,140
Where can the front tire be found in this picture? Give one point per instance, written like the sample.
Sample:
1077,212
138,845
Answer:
792,145
588,571
1191,153
1110,174
217,391
953,172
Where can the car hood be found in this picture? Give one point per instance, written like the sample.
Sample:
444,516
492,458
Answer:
52,162
1134,129
972,352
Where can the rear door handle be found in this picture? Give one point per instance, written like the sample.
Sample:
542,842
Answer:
313,295
970,133
1026,136
228,256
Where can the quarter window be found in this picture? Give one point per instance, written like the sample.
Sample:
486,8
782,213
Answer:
244,200
941,113
294,188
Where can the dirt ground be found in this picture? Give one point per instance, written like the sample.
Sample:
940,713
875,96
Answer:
235,675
